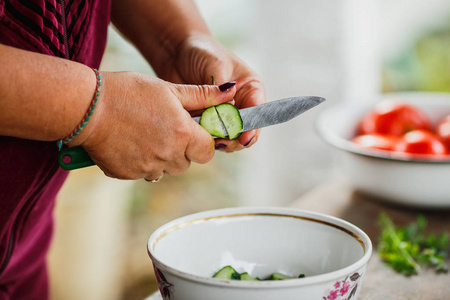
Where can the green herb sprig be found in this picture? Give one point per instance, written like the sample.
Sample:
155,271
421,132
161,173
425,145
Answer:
405,249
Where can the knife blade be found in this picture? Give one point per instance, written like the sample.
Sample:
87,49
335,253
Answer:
267,114
275,112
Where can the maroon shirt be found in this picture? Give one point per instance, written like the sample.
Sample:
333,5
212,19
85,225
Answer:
30,177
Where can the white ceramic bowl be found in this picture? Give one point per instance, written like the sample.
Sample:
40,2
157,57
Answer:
187,252
401,180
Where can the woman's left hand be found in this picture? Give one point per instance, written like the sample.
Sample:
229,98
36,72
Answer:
198,60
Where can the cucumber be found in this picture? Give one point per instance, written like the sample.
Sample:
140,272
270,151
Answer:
227,272
231,119
223,120
246,276
210,121
279,276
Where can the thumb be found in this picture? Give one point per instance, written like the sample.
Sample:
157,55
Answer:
198,97
200,148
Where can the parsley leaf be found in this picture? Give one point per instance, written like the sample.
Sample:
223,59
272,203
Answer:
405,249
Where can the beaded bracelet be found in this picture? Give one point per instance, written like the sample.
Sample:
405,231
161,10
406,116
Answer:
87,116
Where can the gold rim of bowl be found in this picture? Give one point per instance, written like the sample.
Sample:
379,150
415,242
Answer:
201,220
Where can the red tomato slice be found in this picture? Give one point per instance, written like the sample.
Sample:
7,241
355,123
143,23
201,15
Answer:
376,141
421,142
443,131
393,118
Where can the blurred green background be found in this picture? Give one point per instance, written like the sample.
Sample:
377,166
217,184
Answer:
423,66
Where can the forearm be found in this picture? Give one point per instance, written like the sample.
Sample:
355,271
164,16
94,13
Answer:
157,28
42,97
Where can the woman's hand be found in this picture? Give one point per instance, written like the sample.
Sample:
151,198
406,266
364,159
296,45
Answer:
176,41
198,59
142,127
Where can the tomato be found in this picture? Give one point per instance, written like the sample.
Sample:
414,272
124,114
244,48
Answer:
421,142
376,141
393,118
443,131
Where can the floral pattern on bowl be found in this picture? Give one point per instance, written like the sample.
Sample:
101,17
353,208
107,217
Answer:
345,289
342,290
165,287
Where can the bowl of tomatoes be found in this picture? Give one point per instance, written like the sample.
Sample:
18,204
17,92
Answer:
395,147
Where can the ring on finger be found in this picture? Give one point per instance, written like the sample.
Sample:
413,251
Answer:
154,180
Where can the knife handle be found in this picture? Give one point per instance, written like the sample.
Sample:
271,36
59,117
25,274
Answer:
74,158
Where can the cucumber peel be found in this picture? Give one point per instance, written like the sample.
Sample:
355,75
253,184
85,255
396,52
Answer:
223,120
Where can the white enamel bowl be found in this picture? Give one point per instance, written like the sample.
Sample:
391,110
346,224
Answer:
187,252
421,183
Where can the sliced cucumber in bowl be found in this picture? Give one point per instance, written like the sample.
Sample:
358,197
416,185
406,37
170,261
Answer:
227,272
230,273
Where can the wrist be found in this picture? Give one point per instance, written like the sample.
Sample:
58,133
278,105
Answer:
87,124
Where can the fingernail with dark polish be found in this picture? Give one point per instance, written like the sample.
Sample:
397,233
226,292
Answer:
220,146
248,143
226,86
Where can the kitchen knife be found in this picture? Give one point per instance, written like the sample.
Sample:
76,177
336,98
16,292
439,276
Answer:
267,114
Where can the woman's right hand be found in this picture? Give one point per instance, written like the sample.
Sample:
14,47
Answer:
142,127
